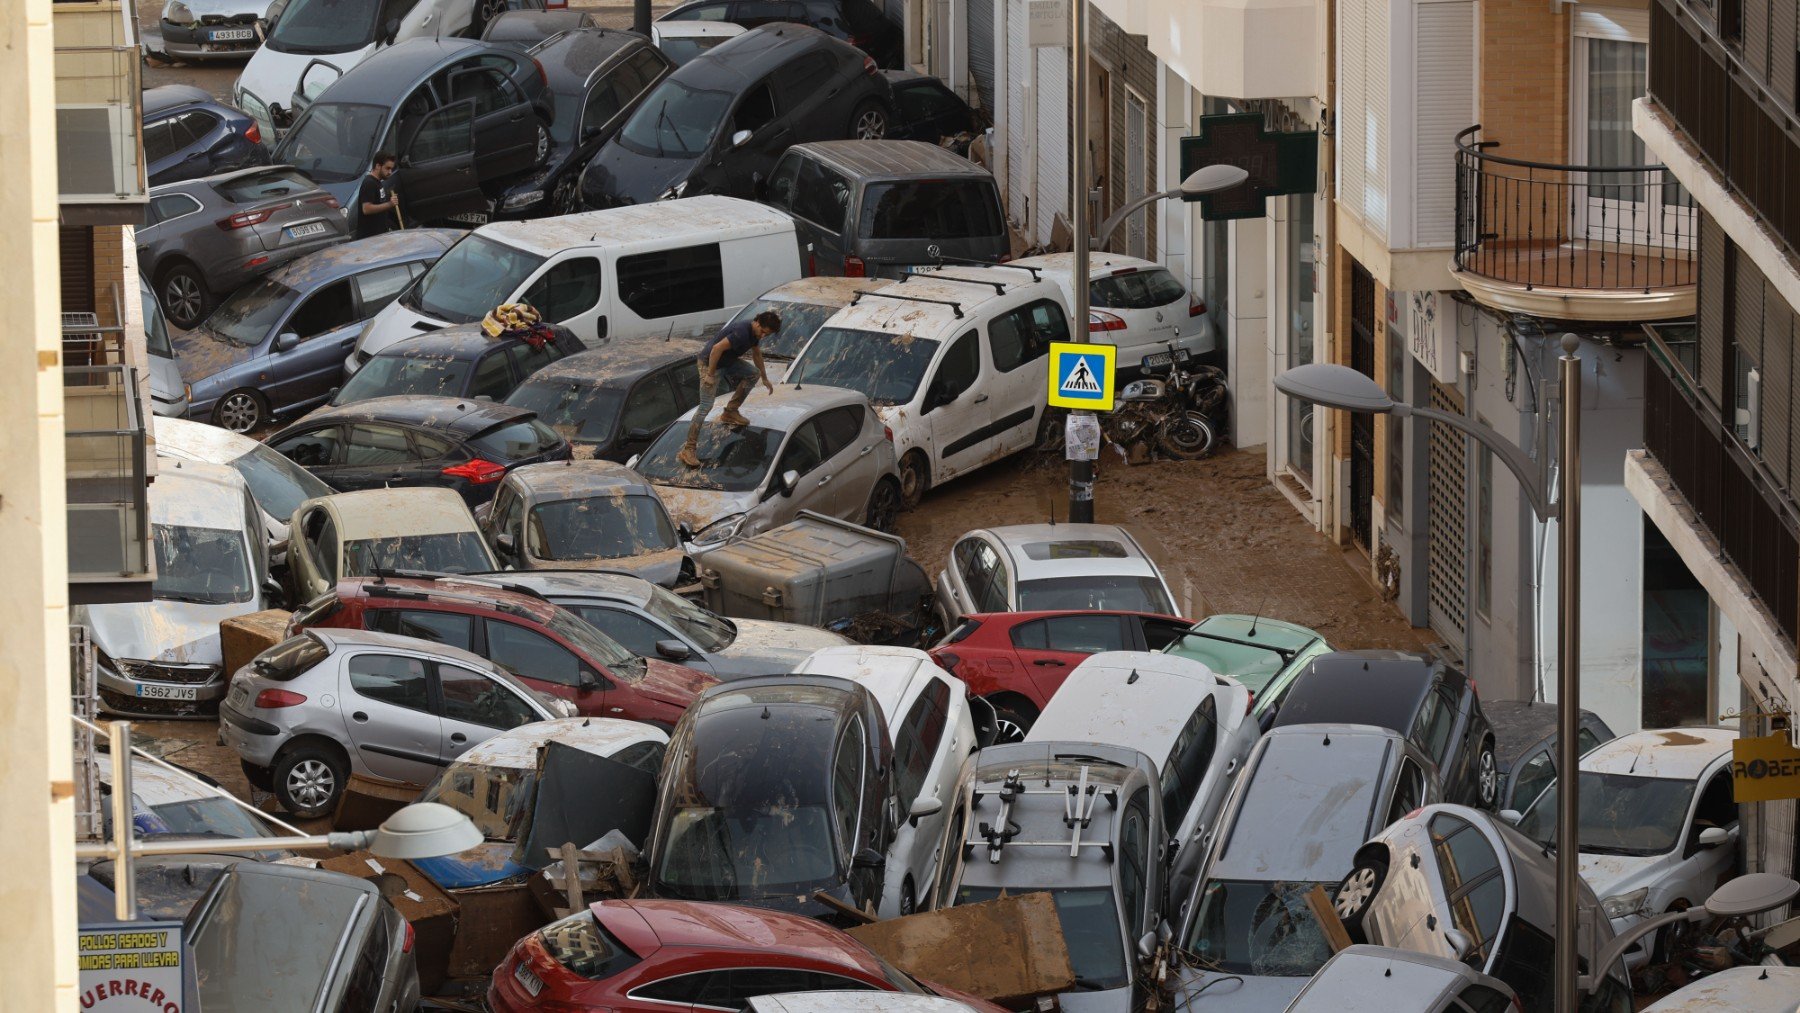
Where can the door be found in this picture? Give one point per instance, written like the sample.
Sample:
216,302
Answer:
804,455
376,456
505,126
568,293
387,711
770,134
475,706
649,408
1611,71
1362,424
928,111
314,564
813,97
957,410
436,177
849,452
1019,351
1050,648
546,666
818,196
326,324
504,517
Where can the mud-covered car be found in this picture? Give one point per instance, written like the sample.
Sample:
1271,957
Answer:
586,515
354,534
611,402
460,362
278,485
803,307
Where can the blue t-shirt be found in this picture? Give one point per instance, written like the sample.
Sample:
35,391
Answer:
738,338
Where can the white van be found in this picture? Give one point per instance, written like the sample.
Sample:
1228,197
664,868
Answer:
677,268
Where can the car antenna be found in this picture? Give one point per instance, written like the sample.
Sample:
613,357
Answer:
1257,618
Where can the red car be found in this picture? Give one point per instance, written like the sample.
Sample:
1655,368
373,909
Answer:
545,646
1017,660
654,956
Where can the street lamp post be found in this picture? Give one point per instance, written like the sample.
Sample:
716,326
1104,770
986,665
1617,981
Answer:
1336,386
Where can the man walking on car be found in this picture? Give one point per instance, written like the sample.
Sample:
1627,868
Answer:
722,363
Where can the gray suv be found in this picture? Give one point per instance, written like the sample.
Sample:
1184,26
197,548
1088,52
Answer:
1010,832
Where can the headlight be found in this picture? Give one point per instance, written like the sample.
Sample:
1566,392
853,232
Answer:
521,200
675,191
720,530
176,13
187,391
1625,903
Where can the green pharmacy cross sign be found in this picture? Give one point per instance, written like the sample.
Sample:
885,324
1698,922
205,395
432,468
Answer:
1278,163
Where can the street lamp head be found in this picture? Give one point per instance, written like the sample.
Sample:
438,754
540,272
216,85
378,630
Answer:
424,830
1751,894
1331,385
1213,178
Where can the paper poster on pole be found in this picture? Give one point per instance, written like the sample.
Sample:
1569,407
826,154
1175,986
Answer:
1047,23
131,967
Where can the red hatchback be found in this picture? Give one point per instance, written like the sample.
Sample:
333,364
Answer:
653,956
545,646
1017,660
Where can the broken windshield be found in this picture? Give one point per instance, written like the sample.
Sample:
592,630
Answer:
1260,928
1621,814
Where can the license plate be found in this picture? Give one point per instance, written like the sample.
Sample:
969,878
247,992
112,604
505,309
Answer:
168,692
530,981
231,34
472,218
306,231
1165,358
922,269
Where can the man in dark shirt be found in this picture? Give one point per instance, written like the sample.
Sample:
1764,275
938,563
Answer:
375,199
722,364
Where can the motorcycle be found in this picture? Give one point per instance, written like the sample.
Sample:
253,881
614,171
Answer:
1182,414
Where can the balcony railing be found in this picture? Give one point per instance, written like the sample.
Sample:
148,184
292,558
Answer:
99,119
1586,228
105,445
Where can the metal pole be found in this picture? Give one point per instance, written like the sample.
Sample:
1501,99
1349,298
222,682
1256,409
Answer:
1081,473
640,17
1568,686
124,869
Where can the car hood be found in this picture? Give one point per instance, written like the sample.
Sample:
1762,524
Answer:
1228,991
180,633
201,354
770,648
699,507
1611,875
165,379
619,176
673,684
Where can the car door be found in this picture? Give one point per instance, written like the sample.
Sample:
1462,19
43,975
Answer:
505,126
803,455
568,293
1431,731
161,152
958,409
745,166
436,176
810,92
306,359
503,518
491,377
1050,648
547,666
638,633
162,229
650,406
312,561
928,111
376,456
475,706
850,457
1019,350
928,755
388,713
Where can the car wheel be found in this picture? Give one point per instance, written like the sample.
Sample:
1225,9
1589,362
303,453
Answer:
309,778
884,505
563,199
260,778
869,122
185,298
1487,777
240,411
909,901
1011,722
915,478
1357,892
1674,939
543,141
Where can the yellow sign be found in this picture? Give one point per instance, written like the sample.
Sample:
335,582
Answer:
1765,769
1081,376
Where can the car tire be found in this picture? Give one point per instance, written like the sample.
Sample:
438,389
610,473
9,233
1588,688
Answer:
1357,892
869,122
884,506
1487,777
1671,939
309,779
260,778
241,411
542,148
915,478
185,298
909,898
1011,721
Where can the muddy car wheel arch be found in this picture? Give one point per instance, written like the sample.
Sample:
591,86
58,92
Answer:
915,478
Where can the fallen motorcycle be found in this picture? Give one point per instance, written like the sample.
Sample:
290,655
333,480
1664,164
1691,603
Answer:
1181,415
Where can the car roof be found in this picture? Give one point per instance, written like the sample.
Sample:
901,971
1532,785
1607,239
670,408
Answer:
707,218
1259,629
383,77
1359,687
708,926
454,343
210,183
156,785
618,364
891,159
208,443
778,734
1133,698
747,57
335,637
342,260
1040,814
553,481
697,29
1379,979
1520,724
823,290
1308,802
1015,537
892,675
459,416
1100,264
1770,989
449,591
957,294
856,1002
517,748
1681,753
622,587
572,56
791,404
375,513
198,495
171,96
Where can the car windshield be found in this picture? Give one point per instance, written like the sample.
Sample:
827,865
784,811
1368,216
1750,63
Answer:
324,26
496,799
454,552
1090,924
476,275
403,374
580,413
675,121
202,817
731,460
156,331
715,854
333,141
799,322
207,566
1621,814
1251,664
248,315
702,627
1136,290
1100,591
256,187
886,367
600,527
1259,927
597,646
277,484
931,209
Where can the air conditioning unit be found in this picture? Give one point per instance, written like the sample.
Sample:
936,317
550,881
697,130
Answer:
1748,420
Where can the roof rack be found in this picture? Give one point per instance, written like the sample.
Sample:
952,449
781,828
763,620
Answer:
955,307
998,286
1078,813
379,588
1035,272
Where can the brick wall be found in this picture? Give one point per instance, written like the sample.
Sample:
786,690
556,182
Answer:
110,288
1129,64
1523,100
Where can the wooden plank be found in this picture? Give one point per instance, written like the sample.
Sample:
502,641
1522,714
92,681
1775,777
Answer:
844,909
572,875
1333,927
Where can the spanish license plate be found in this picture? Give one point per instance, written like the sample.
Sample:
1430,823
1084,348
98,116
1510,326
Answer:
1156,359
471,218
168,692
922,268
306,231
231,35
531,981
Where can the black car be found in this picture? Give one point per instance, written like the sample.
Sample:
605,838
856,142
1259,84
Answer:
595,78
460,362
1525,747
459,444
925,109
858,22
775,788
188,135
720,122
1425,700
612,402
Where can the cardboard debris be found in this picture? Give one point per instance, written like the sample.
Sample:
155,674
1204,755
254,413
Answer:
367,801
432,912
242,638
1008,951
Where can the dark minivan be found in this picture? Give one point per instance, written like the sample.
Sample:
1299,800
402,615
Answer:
879,208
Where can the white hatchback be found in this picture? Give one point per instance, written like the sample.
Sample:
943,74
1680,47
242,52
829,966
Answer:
1050,568
1135,304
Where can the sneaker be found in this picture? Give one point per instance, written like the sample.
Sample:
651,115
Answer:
688,457
733,418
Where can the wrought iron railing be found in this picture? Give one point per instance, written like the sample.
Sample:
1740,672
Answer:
1543,225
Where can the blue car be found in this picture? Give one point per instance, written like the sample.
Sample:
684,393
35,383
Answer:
277,345
188,135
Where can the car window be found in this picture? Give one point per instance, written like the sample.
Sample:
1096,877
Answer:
686,988
528,358
1470,871
804,450
974,565
1585,739
917,738
666,283
1482,999
1185,768
1085,634
808,75
159,140
1431,729
644,756
931,209
194,126
957,371
1160,633
391,679
650,405
380,286
819,193
530,654
444,133
1134,848
754,110
493,377
1532,777
326,551
1135,289
1409,790
452,629
366,976
427,447
839,429
325,310
1025,334
1717,806
685,375
485,86
847,786
925,100
633,632
567,290
312,449
480,700
702,12
991,595
372,446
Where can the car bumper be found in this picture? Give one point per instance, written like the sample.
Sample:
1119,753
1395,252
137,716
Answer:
254,740
169,409
181,692
229,279
196,41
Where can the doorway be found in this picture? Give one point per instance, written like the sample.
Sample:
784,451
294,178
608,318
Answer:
1362,424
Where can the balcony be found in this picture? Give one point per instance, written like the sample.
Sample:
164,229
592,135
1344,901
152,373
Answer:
1608,244
105,446
99,118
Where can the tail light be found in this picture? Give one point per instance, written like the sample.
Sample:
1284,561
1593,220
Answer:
1196,307
543,78
869,66
946,661
406,944
325,199
256,261
888,431
855,268
1098,321
477,472
253,134
275,699
812,264
245,219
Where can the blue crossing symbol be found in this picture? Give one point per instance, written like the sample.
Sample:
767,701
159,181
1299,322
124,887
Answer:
1079,377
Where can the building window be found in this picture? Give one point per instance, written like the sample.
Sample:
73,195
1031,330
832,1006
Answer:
1302,263
1677,635
1484,531
1731,21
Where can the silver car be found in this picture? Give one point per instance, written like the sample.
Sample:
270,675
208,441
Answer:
277,484
1376,979
202,238
168,395
585,515
210,29
1050,567
307,713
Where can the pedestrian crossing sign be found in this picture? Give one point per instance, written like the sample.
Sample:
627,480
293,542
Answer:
1081,376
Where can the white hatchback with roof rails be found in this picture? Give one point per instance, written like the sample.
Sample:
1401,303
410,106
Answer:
955,360
1134,304
1050,567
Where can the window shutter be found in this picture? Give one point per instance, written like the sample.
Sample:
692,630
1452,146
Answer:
1777,384
1444,37
75,252
1352,102
1376,39
1784,36
1747,323
1713,273
981,50
1756,37
1055,161
1018,126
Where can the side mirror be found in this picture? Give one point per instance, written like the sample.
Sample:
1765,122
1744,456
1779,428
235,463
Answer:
391,30
925,805
588,680
271,588
673,650
333,393
286,341
1460,942
1712,837
740,138
504,542
589,132
790,481
1146,945
632,463
1511,816
868,858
